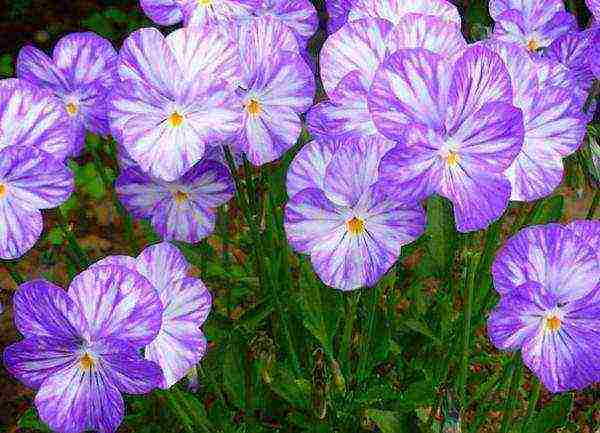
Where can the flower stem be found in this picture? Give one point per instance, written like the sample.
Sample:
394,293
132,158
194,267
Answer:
594,205
11,268
469,283
511,397
352,299
533,399
79,253
366,344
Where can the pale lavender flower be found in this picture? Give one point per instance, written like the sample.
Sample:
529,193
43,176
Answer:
549,280
456,133
395,10
80,73
80,350
181,210
180,343
352,233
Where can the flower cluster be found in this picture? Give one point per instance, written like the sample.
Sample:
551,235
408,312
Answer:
82,346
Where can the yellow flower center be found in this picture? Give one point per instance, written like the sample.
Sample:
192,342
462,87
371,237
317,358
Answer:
180,197
205,3
553,323
72,109
253,107
356,226
86,362
2,190
452,158
175,119
533,45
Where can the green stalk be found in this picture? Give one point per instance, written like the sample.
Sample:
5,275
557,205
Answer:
185,411
469,282
346,345
366,345
533,399
594,206
259,254
509,404
11,268
78,252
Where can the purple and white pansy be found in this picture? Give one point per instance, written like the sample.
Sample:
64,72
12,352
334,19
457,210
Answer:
81,346
549,281
182,210
81,74
456,134
186,303
352,232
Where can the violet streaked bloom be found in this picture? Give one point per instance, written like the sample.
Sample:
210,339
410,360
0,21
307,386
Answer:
352,233
351,57
338,11
80,350
80,73
180,343
456,133
30,180
176,96
554,126
549,279
182,210
277,91
197,13
533,24
395,10
33,117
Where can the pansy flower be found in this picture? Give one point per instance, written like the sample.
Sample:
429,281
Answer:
180,343
81,347
553,121
80,73
276,87
533,24
182,210
175,97
197,12
456,132
31,116
350,58
351,231
549,280
395,10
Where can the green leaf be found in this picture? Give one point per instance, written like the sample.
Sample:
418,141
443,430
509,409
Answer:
387,421
318,307
422,328
188,410
553,415
547,211
441,234
6,65
87,179
56,236
284,384
30,421
234,374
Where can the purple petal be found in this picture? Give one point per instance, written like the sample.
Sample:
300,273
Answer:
338,14
116,303
551,255
345,115
30,116
180,343
123,366
429,32
589,231
77,399
208,50
197,14
594,6
162,264
34,179
42,309
353,169
310,219
139,193
573,51
394,10
358,46
35,359
553,129
480,77
543,10
163,12
20,229
410,87
35,67
145,57
298,15
307,170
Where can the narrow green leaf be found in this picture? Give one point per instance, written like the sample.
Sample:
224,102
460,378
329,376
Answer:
553,415
387,421
441,234
31,421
